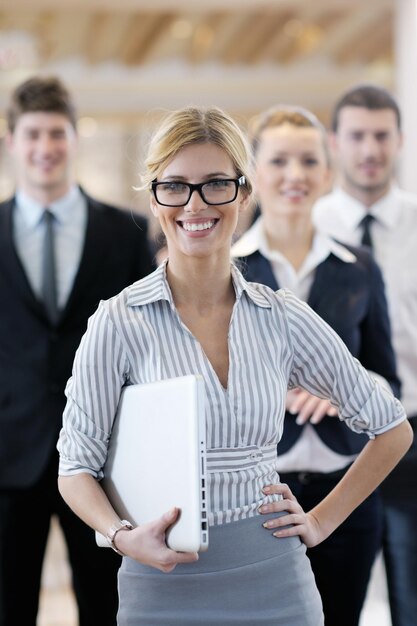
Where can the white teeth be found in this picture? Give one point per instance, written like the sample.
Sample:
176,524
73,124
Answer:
200,226
294,193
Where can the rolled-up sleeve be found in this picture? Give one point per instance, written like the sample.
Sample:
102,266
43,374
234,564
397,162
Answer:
100,370
324,366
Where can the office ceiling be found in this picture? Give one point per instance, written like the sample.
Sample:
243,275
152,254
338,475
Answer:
213,48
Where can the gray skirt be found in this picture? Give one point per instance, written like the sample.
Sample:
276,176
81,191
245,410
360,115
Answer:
247,577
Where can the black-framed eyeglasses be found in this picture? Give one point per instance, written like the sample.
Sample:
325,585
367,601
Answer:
217,191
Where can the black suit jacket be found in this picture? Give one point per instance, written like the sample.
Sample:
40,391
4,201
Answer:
350,297
36,357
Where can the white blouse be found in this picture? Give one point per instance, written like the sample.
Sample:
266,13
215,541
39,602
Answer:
275,342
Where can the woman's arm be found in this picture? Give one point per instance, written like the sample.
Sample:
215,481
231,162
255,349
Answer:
323,366
101,368
146,543
374,463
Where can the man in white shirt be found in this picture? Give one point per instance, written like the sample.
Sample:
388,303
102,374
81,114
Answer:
367,207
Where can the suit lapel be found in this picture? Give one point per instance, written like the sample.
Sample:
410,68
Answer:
260,271
327,279
11,265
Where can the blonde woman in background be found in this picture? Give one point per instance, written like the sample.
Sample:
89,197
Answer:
344,286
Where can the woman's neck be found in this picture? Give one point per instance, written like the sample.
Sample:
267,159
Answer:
291,237
200,283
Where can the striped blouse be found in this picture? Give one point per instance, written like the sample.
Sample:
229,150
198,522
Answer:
275,342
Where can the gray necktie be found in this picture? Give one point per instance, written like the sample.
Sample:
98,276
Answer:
366,230
49,288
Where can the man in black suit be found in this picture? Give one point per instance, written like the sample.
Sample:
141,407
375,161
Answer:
61,252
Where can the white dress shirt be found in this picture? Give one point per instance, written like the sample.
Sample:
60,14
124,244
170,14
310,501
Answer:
70,213
139,337
394,236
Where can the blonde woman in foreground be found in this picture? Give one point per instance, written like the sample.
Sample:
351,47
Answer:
196,314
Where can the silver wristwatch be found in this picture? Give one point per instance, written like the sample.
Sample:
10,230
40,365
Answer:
113,530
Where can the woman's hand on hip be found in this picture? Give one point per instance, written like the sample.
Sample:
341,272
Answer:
294,521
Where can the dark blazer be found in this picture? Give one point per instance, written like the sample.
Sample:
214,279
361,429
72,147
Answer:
350,297
36,357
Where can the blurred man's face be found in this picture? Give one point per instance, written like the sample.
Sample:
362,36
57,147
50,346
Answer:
43,146
366,146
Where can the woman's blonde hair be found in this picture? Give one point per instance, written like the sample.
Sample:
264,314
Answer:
192,125
286,114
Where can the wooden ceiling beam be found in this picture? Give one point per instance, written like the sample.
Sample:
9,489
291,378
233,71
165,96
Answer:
18,20
232,25
303,32
105,37
66,35
269,25
354,22
142,35
270,48
204,36
365,48
245,39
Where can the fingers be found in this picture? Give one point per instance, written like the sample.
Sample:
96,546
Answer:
294,521
285,523
288,503
280,488
320,411
164,523
170,559
312,406
290,398
313,409
295,400
186,557
148,544
167,519
308,407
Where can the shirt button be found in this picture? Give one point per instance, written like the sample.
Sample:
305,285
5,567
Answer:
254,455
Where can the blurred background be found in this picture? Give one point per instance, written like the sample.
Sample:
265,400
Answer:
127,61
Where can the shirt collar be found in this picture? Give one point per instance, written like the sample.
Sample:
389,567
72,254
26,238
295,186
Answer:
254,239
385,210
250,241
31,211
155,287
326,245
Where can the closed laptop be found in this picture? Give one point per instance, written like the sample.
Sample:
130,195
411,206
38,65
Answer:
156,459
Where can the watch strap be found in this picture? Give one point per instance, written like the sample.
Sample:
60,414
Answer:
113,530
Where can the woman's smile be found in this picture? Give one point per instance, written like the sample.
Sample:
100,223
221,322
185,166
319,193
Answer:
198,227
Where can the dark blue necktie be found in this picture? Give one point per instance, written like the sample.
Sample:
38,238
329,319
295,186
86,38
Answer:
365,224
49,287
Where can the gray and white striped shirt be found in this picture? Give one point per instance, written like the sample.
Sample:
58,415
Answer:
275,342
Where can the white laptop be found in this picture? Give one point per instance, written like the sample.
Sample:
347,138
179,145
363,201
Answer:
157,459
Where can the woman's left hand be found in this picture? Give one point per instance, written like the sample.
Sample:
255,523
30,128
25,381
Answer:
307,407
296,520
